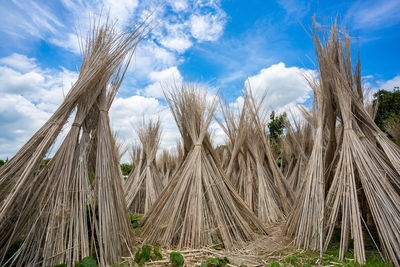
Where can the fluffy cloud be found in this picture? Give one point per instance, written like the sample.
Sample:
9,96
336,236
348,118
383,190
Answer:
286,86
28,18
207,27
389,84
12,81
121,10
29,95
176,38
127,113
19,120
18,62
162,79
178,5
371,14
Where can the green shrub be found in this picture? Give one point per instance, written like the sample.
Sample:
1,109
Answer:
215,262
135,218
143,254
176,259
157,253
86,262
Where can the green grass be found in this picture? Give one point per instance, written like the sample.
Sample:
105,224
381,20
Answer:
292,257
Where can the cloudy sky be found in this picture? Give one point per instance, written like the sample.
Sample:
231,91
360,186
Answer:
218,43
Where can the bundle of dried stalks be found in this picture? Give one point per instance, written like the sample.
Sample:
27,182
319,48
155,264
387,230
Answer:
305,223
167,164
252,180
361,158
47,209
113,230
394,130
259,117
145,184
296,150
357,171
199,207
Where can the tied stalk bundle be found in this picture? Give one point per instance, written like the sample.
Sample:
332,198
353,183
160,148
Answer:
199,207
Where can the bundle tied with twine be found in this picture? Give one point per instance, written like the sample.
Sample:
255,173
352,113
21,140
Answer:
305,223
145,184
357,171
258,114
47,210
246,167
167,163
199,207
296,150
375,168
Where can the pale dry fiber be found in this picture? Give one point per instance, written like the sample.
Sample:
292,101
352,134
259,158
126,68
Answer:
305,223
167,164
145,184
259,116
356,168
394,130
113,229
246,170
46,209
296,149
199,207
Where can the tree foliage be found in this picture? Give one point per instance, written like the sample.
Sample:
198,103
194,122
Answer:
2,162
388,111
126,169
276,125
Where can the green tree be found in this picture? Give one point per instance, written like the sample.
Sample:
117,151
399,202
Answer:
276,126
388,111
126,169
2,162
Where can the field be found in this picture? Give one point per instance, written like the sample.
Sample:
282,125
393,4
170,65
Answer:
317,190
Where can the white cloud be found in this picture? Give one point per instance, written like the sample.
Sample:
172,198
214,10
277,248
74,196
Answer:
19,120
389,85
295,8
14,82
121,10
126,113
207,27
18,62
69,41
286,86
150,57
29,18
162,79
178,5
176,38
29,95
373,14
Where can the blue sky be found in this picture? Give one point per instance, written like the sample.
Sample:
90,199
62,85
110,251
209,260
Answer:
218,43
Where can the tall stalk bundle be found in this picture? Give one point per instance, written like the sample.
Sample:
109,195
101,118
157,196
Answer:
246,166
199,207
145,184
394,131
296,150
361,158
260,121
357,171
167,164
47,209
305,223
113,229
